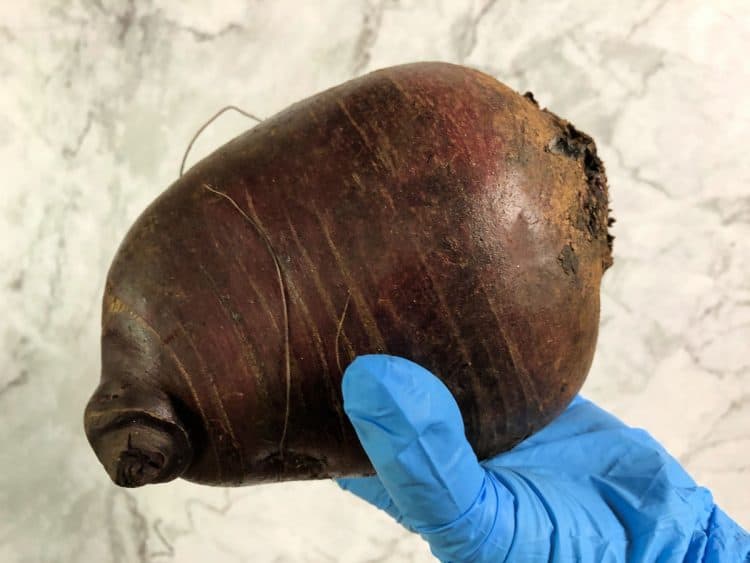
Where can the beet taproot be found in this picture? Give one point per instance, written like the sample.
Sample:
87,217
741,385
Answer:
424,210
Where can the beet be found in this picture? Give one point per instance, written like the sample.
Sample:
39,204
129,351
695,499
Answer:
425,211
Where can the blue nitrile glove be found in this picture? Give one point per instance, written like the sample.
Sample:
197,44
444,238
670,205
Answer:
585,488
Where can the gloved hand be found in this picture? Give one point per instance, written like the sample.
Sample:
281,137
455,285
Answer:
585,488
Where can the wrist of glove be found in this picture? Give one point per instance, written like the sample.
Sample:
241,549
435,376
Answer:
585,488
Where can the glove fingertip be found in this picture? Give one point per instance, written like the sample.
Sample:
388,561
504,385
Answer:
378,377
412,430
379,386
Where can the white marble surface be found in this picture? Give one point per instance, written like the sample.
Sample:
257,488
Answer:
98,101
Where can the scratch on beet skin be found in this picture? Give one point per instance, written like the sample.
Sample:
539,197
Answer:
367,317
209,376
311,269
262,384
339,331
356,125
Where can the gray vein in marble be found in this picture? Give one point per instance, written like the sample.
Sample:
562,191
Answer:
21,379
125,21
465,31
16,284
62,13
168,547
129,17
72,150
604,65
704,447
535,57
734,407
19,352
730,211
372,18
124,18
132,522
191,504
636,176
710,311
695,357
204,36
658,6
56,277
650,74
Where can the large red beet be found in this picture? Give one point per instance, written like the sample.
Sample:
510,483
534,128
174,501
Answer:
425,211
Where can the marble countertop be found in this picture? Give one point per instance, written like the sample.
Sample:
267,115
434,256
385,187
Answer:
99,100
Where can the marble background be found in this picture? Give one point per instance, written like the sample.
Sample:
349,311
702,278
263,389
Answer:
99,99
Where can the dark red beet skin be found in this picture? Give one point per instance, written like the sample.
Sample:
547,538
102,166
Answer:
425,211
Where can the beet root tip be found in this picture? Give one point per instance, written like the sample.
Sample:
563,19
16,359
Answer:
136,468
141,453
138,438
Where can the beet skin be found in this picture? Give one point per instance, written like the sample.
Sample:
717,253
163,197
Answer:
425,211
